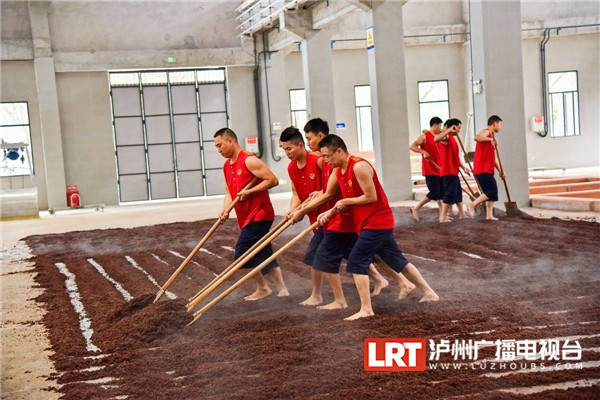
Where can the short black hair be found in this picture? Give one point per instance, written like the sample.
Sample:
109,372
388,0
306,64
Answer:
452,122
493,119
291,134
226,132
434,121
317,125
333,142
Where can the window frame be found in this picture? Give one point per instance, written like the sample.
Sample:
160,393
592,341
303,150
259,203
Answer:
292,110
578,114
419,102
357,110
30,144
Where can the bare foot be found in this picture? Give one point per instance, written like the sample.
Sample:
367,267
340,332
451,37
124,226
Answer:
471,210
360,314
312,301
463,216
379,284
283,293
415,214
492,219
429,297
406,290
444,221
258,294
334,305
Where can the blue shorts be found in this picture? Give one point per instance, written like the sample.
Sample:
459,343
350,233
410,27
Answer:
309,256
334,247
436,189
488,186
452,189
251,234
371,243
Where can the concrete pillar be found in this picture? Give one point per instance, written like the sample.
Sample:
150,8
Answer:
497,63
388,99
48,106
276,116
318,75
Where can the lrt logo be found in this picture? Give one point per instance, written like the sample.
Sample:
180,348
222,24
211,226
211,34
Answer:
383,354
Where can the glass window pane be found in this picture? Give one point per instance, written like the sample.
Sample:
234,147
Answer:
365,129
562,81
298,99
557,114
433,91
576,106
210,75
182,77
13,114
362,95
15,161
570,122
154,78
430,110
124,79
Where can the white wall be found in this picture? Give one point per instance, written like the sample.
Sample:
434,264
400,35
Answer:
87,136
580,53
18,84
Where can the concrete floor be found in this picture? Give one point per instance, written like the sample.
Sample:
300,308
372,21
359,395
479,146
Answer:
24,355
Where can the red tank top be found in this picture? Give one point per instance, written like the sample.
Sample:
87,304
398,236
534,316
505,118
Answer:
485,157
449,157
342,223
257,207
306,180
431,147
377,215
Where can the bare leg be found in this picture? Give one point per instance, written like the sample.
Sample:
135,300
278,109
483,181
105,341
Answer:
461,213
339,301
415,210
317,283
262,289
412,274
489,211
444,213
471,206
406,287
440,205
380,281
275,275
362,285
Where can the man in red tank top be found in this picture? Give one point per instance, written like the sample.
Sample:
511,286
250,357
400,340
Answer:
254,211
304,171
364,198
427,147
450,163
339,233
484,163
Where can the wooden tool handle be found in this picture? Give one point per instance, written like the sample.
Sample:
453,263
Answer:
199,245
501,168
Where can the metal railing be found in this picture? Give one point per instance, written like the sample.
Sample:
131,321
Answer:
257,14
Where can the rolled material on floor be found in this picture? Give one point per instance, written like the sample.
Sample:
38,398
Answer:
19,203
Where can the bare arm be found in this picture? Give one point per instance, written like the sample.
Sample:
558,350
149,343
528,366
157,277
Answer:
261,171
227,200
295,202
416,146
318,201
483,136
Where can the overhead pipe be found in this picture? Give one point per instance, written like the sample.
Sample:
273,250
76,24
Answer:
544,89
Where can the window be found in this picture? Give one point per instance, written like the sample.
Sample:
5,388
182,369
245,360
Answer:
364,127
563,103
433,101
298,108
15,129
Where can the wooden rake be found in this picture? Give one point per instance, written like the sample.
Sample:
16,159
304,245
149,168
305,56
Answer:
200,244
243,259
471,195
250,274
466,157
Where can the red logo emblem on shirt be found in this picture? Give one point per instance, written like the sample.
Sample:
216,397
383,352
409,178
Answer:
239,171
350,183
312,175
